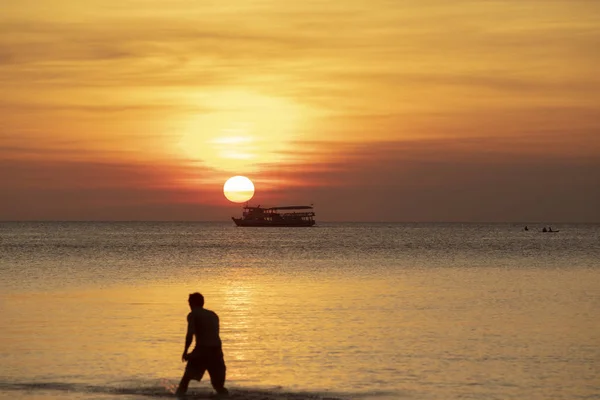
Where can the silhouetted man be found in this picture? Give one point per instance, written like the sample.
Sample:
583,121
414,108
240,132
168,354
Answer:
208,354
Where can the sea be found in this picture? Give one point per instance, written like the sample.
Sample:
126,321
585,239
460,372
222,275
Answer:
97,310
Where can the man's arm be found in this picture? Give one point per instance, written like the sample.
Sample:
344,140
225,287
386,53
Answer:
188,337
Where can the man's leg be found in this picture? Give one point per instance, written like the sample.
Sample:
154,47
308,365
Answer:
217,371
183,385
193,370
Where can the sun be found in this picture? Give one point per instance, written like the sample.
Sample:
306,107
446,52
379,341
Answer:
238,189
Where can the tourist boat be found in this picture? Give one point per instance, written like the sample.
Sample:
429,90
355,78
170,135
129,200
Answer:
287,216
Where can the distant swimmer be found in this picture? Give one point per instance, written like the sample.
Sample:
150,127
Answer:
544,230
526,228
208,353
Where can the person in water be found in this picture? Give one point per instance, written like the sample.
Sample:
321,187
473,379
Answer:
207,354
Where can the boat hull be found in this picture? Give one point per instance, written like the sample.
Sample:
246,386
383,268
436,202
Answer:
266,224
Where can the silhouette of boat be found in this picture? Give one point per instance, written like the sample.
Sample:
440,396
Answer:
287,216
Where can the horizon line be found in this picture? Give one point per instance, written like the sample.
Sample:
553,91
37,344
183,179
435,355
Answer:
326,222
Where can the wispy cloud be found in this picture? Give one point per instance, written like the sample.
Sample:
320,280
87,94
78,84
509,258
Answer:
412,181
397,103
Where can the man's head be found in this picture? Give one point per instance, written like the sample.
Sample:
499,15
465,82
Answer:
196,300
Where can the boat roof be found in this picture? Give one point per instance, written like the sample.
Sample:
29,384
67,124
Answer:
284,208
292,208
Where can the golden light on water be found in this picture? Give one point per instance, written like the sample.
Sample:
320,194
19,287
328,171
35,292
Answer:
238,189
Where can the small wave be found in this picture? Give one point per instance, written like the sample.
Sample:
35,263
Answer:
166,389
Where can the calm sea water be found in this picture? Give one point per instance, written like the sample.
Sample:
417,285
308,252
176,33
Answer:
343,311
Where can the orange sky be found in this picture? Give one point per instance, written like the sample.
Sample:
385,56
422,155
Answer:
372,110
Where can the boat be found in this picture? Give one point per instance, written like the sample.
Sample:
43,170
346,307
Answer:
286,216
549,230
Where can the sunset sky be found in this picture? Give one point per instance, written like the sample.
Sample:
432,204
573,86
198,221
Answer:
378,110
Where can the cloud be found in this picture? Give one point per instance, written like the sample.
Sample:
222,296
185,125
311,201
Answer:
66,190
295,42
7,106
418,108
439,180
444,180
